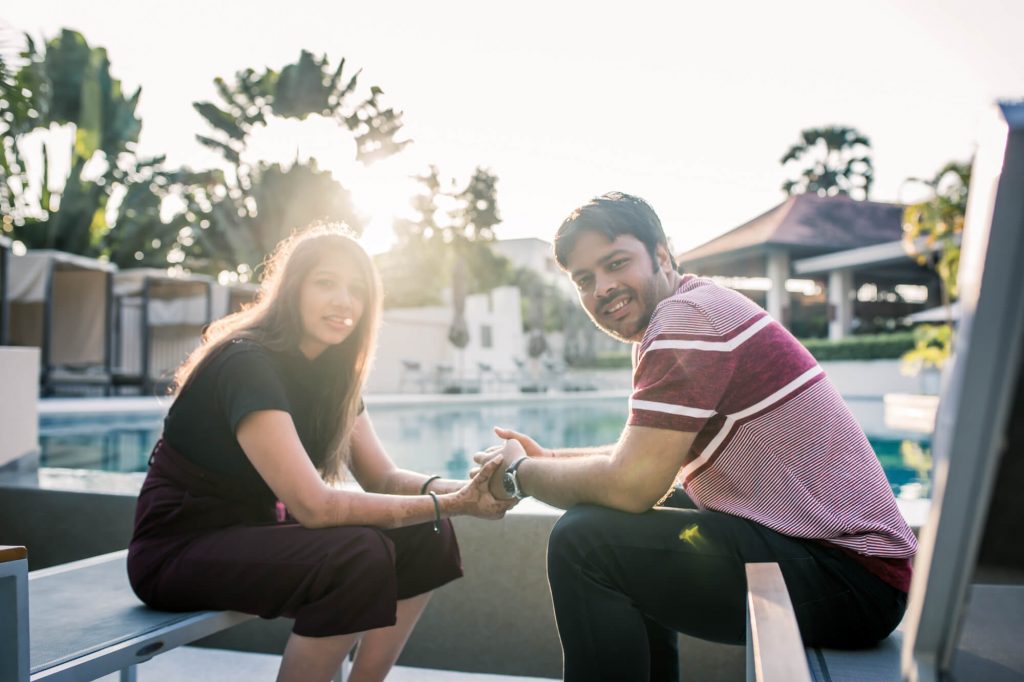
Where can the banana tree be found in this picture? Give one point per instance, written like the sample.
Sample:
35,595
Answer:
67,83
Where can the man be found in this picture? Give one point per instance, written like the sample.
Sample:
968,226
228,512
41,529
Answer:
770,464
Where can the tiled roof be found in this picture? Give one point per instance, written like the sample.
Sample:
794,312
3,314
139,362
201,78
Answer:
811,224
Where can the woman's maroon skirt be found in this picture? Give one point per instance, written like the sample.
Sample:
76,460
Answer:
201,542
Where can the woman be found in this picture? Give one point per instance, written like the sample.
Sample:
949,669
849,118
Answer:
238,510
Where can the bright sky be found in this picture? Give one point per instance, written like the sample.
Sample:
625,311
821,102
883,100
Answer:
690,105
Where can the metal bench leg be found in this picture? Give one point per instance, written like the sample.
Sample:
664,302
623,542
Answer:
129,674
343,672
14,654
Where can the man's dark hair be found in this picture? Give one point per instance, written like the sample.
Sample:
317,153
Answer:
612,214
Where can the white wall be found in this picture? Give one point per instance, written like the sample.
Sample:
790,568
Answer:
19,390
420,335
875,378
537,255
530,252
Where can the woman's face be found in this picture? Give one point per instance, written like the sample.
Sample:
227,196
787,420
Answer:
331,303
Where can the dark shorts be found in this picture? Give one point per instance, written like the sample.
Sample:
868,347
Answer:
194,551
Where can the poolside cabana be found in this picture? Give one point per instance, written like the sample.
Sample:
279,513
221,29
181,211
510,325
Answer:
807,227
159,320
5,254
60,303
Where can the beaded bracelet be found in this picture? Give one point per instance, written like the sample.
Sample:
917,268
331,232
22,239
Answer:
423,488
437,512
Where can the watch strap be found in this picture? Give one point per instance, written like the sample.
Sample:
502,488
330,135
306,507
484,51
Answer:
513,473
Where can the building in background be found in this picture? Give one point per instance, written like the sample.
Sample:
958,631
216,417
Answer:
761,258
415,355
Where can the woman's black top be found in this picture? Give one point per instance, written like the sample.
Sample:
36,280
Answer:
246,377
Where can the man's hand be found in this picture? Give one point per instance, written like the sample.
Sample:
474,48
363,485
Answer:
631,476
530,446
507,454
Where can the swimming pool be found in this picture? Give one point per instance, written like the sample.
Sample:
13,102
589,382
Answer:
432,438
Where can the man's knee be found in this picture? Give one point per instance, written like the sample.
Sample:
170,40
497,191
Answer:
574,534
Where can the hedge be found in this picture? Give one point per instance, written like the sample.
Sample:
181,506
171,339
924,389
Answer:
607,361
866,347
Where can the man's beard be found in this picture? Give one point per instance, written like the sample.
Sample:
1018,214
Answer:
646,299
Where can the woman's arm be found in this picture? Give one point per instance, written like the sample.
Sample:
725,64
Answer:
269,440
377,473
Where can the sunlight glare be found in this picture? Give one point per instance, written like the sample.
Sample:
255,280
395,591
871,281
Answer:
381,192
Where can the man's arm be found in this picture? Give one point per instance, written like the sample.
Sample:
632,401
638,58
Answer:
637,473
534,449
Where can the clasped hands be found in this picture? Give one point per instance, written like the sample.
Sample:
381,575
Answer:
515,446
484,495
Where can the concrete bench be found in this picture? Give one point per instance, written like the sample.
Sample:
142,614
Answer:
81,621
988,647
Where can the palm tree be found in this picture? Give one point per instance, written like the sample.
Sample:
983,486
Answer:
414,270
833,161
262,203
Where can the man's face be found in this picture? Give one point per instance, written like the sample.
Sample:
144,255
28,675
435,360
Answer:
618,284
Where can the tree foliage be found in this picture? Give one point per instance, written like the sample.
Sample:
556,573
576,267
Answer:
66,83
932,228
262,203
933,346
449,222
143,235
137,211
69,83
931,235
830,161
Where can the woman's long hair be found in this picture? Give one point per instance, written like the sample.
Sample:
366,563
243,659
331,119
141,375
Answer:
274,321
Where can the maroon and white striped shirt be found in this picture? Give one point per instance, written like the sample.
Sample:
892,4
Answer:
775,442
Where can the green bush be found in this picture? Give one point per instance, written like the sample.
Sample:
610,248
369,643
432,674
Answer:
867,347
607,361
933,345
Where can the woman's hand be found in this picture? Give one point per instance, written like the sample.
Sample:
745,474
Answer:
476,499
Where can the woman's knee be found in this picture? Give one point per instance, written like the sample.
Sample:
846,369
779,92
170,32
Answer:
366,559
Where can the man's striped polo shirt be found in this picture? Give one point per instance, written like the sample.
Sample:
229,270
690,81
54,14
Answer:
775,442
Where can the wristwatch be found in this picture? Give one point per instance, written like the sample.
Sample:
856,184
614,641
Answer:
510,480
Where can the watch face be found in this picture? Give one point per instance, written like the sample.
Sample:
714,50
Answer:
508,483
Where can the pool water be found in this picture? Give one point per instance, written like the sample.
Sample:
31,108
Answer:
428,438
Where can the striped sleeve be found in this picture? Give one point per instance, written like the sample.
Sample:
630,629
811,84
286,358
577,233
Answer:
678,382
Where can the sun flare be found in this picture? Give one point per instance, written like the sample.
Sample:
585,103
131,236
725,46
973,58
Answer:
381,191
